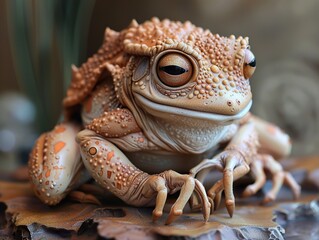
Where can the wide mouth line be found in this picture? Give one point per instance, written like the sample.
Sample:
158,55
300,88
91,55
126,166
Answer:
157,107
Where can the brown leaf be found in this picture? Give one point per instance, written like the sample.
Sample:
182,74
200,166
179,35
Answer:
33,219
28,214
138,222
69,218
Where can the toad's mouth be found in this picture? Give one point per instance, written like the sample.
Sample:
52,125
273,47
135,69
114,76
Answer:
158,110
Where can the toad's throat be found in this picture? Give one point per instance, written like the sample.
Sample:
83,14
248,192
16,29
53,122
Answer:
158,110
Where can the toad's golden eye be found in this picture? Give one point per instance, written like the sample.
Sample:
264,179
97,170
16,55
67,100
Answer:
249,64
174,69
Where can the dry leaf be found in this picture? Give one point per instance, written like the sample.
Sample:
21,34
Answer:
34,220
22,214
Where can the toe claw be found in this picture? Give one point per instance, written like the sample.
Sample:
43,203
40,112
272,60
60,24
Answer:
194,202
173,215
269,198
296,192
218,200
249,191
212,205
230,206
205,204
157,215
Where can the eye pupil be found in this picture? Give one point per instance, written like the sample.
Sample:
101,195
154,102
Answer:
173,70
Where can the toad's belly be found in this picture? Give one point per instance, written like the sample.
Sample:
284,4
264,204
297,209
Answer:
157,162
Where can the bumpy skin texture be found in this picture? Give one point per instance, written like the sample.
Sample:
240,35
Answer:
157,102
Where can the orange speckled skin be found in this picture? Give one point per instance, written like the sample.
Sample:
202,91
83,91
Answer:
219,85
156,102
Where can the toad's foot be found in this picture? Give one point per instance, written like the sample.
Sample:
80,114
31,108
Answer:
114,172
233,162
233,166
170,182
264,162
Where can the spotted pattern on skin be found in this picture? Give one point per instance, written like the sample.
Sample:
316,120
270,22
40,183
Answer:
120,74
134,142
101,99
220,58
117,123
107,168
247,148
46,165
58,146
40,172
59,129
220,61
85,78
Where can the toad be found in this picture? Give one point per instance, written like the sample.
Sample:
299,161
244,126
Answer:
157,108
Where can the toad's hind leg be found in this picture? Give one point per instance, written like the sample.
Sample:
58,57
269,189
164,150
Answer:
55,165
273,140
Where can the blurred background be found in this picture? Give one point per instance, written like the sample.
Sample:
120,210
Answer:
39,40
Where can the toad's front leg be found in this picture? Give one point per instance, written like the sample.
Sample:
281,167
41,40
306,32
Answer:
55,166
234,162
112,170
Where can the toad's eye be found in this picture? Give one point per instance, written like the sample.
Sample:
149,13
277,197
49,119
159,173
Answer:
174,69
249,64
